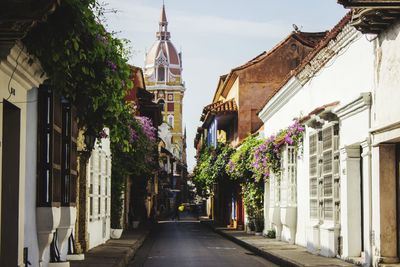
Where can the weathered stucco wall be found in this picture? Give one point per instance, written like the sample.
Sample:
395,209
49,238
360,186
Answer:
386,108
343,79
258,81
25,80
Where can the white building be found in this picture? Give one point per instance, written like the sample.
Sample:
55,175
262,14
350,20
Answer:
321,199
38,165
99,198
384,187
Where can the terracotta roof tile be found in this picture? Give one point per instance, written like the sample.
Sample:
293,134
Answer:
207,108
318,110
219,108
227,106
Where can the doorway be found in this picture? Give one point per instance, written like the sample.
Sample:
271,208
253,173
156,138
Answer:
10,185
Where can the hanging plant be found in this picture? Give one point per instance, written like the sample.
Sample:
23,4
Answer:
84,63
239,166
267,156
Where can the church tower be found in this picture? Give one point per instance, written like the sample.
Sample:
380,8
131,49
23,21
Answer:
163,77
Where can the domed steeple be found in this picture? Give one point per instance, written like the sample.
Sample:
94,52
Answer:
163,63
163,77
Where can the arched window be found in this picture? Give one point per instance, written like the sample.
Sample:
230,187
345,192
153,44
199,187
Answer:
171,120
161,73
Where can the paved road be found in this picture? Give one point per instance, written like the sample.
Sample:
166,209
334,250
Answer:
188,243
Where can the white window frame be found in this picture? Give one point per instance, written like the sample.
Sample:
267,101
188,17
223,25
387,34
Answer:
324,171
289,177
99,182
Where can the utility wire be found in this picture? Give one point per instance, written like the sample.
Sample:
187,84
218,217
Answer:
12,74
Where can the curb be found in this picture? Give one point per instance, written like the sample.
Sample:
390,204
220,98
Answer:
262,253
125,260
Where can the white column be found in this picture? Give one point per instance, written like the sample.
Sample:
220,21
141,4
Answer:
367,201
350,203
267,221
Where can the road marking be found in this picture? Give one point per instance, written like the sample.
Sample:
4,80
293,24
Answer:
221,248
156,257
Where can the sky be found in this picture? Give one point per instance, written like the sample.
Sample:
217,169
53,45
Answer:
215,36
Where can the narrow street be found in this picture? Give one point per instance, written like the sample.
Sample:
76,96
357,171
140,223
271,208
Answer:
188,243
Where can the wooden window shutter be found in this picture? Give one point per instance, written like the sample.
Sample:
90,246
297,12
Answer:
74,159
327,175
57,144
44,149
313,174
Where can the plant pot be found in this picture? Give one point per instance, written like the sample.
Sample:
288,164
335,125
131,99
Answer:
116,233
135,224
258,233
59,264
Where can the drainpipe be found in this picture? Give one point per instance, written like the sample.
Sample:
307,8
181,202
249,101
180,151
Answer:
370,180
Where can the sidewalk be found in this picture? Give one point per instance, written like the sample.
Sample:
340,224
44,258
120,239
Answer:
115,253
279,252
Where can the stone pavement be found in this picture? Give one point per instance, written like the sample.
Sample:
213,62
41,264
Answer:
115,253
278,252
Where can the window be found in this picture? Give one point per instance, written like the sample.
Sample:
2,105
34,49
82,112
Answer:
289,177
99,206
170,107
57,145
171,120
161,73
324,174
91,206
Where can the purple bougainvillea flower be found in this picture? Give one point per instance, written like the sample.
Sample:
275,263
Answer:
288,140
147,127
133,136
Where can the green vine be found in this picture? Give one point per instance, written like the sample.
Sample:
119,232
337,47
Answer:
210,167
84,63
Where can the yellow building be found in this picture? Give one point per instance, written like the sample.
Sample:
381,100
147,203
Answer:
163,77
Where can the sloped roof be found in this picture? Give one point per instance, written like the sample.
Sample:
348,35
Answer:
220,108
209,107
332,34
227,106
309,39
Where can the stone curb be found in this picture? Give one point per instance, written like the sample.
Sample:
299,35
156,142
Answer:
125,260
114,253
262,253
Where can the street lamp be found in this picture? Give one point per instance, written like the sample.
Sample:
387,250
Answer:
90,138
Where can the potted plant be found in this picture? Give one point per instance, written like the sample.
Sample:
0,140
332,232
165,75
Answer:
250,226
117,201
271,234
259,223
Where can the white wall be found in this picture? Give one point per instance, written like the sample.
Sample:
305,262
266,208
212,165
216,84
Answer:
385,129
99,169
342,79
387,94
24,80
31,240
